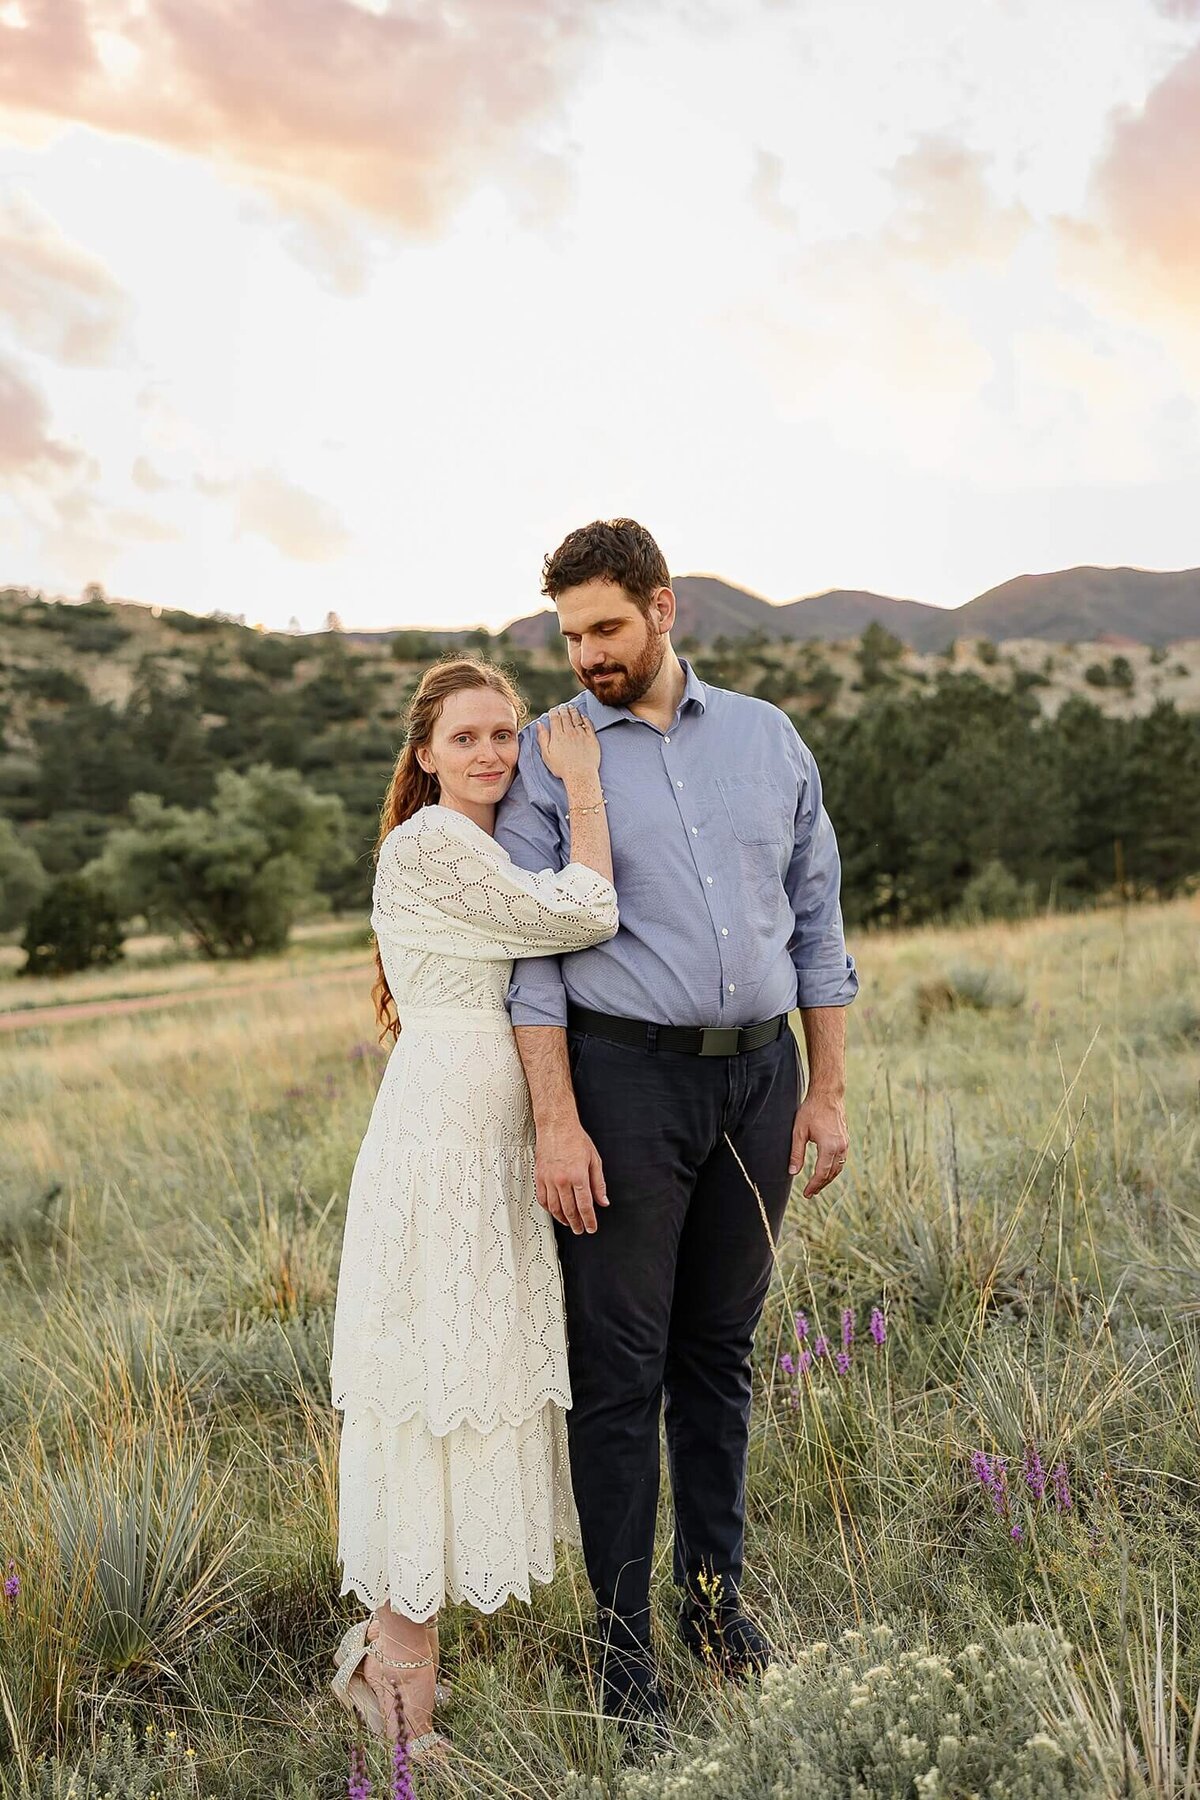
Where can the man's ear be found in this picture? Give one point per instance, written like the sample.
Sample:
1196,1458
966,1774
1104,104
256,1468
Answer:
662,607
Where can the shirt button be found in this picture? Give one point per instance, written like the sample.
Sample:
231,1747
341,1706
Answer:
724,931
666,740
708,878
732,989
679,784
695,831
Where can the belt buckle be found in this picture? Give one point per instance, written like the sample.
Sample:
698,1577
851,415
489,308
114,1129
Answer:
720,1040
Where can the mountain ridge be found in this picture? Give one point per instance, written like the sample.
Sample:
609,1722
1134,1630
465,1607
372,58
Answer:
1083,604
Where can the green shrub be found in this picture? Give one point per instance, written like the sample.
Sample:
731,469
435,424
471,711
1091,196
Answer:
50,684
22,878
865,1718
272,657
879,651
965,986
75,925
156,1766
191,624
233,875
984,990
995,893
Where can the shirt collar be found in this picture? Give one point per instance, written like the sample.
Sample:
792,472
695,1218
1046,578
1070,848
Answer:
694,694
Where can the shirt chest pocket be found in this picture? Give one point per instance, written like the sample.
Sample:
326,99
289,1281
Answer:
759,811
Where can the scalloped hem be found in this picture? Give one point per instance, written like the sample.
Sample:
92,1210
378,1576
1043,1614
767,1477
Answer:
454,1597
351,1404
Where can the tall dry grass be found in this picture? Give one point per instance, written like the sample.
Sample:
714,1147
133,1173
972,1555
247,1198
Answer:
1021,1204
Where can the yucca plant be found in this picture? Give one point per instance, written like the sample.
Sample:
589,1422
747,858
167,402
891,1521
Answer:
135,1525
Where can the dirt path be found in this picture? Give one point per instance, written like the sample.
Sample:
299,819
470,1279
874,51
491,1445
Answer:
35,1018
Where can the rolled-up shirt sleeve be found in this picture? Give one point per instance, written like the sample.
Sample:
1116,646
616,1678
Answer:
527,827
825,973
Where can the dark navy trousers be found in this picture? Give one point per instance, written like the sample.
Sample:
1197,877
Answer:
664,1299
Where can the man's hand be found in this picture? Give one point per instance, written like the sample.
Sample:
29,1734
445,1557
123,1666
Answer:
568,1176
821,1121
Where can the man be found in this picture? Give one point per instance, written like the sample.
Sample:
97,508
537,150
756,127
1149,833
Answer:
665,1081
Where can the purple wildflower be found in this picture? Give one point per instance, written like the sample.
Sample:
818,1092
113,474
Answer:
360,1781
878,1326
402,1787
1016,1534
821,1347
993,1476
1034,1471
801,1326
842,1359
847,1327
787,1363
804,1362
1062,1491
12,1582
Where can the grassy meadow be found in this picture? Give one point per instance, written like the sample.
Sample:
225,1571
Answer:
977,1543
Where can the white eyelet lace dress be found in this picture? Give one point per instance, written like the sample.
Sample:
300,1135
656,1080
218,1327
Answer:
449,1348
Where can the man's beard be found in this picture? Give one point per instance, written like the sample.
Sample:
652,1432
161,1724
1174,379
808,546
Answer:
628,681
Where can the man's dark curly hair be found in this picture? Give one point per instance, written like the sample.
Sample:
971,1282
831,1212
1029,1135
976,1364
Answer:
616,550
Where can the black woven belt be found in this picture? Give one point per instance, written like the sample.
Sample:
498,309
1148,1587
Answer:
732,1040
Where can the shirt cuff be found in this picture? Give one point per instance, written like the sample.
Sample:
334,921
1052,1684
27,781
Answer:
827,987
526,1008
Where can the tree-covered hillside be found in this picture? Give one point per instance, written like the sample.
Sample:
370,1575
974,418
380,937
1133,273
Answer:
996,779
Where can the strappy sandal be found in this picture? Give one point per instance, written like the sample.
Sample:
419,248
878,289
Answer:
356,1694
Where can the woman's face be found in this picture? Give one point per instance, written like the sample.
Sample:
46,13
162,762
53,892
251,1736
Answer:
473,749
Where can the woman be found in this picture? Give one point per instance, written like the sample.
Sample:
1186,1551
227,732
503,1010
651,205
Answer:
449,1354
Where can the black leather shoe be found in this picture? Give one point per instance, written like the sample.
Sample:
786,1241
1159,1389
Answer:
629,1691
724,1639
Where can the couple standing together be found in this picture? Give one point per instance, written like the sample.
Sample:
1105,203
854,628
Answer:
592,933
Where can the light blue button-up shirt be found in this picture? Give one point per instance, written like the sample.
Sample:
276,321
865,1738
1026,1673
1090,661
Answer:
725,864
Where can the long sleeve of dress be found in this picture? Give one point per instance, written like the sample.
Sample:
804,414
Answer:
443,884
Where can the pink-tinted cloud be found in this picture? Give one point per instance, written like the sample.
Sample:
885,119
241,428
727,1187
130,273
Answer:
28,447
58,299
300,525
947,213
1146,189
143,527
397,112
147,477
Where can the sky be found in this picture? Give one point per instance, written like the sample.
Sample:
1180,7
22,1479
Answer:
361,305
